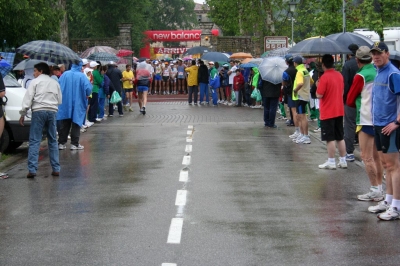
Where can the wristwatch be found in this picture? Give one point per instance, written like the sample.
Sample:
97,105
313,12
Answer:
396,122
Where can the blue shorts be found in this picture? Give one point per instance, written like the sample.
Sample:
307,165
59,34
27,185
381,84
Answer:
142,88
291,103
368,130
157,77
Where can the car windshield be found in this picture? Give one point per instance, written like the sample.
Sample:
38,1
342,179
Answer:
10,81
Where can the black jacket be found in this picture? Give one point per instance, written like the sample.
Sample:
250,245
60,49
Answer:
203,74
349,70
270,90
115,76
291,71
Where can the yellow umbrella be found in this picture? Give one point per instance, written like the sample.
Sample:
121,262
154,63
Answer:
247,60
240,56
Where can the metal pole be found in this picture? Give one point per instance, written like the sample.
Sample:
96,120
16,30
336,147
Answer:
292,31
344,16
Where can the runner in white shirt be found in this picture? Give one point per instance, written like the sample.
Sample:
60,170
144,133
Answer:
173,74
232,74
165,78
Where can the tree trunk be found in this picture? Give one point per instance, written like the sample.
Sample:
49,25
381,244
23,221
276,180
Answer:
64,39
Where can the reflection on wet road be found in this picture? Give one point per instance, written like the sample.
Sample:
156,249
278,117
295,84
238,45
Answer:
246,196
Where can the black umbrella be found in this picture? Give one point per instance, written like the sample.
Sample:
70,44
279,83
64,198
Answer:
394,55
197,50
347,38
215,56
49,51
104,57
318,45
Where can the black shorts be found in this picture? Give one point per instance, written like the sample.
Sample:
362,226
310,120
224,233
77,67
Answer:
301,107
332,129
165,79
387,144
128,90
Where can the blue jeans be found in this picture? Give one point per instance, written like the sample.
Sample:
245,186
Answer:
101,107
270,106
204,90
43,120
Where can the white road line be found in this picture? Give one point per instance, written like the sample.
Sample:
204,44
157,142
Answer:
189,132
186,160
184,176
188,148
189,140
190,127
175,231
181,198
169,264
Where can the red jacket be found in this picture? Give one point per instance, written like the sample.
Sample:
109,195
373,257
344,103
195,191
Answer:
238,82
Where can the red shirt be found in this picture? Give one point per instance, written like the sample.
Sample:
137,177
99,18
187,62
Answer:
238,82
331,87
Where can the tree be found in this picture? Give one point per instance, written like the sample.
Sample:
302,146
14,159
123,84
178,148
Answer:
22,21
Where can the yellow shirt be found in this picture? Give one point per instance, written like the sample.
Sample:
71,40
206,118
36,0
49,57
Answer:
127,84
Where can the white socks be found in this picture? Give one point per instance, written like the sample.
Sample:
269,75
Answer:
396,203
331,160
389,199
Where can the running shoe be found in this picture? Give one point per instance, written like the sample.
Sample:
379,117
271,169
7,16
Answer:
350,157
371,196
144,110
130,109
327,165
306,140
380,207
318,129
79,147
294,135
392,213
62,147
342,165
299,137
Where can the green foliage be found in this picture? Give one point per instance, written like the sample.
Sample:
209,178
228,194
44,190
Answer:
22,21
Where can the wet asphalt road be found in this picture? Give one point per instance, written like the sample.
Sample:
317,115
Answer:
253,198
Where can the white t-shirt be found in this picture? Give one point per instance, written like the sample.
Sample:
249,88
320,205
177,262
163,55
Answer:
150,68
232,75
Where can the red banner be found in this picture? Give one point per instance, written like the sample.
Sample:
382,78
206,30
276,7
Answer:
174,35
163,50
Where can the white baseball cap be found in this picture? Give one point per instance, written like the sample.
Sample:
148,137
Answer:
112,63
93,64
85,61
211,63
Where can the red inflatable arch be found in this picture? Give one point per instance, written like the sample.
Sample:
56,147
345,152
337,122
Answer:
171,36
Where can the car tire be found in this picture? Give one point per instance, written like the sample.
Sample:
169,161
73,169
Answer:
4,141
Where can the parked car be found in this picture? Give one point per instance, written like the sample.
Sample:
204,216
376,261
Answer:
14,134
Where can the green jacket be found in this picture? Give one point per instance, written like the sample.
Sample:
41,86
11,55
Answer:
97,80
256,76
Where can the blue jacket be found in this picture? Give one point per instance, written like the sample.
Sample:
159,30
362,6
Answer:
75,88
386,95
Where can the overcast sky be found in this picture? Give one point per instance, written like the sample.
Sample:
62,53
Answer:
199,1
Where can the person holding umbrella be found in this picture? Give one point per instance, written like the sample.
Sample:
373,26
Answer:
43,96
192,81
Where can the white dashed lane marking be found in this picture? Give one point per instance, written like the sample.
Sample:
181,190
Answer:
181,198
175,231
190,127
184,176
169,264
186,160
189,132
188,148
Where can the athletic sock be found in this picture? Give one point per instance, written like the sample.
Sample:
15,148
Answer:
396,203
331,160
375,188
342,159
380,187
297,129
389,199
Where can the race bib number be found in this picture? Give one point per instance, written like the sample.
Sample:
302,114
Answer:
180,73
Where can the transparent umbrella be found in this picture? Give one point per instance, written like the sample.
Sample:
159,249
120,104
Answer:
98,49
272,68
29,63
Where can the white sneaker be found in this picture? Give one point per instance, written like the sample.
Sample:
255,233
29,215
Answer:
84,126
299,137
231,104
245,105
294,135
83,130
317,130
327,165
306,140
392,213
98,119
342,165
62,147
225,103
380,207
371,196
79,147
300,140
89,124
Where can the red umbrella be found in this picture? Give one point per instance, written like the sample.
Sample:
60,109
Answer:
123,52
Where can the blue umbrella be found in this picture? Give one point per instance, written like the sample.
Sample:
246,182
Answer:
215,56
248,65
5,68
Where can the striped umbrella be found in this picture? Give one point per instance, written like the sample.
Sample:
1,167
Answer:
103,57
49,51
98,49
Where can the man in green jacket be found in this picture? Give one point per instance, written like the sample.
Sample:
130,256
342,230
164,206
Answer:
254,85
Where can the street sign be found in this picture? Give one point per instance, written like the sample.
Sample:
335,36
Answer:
275,42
